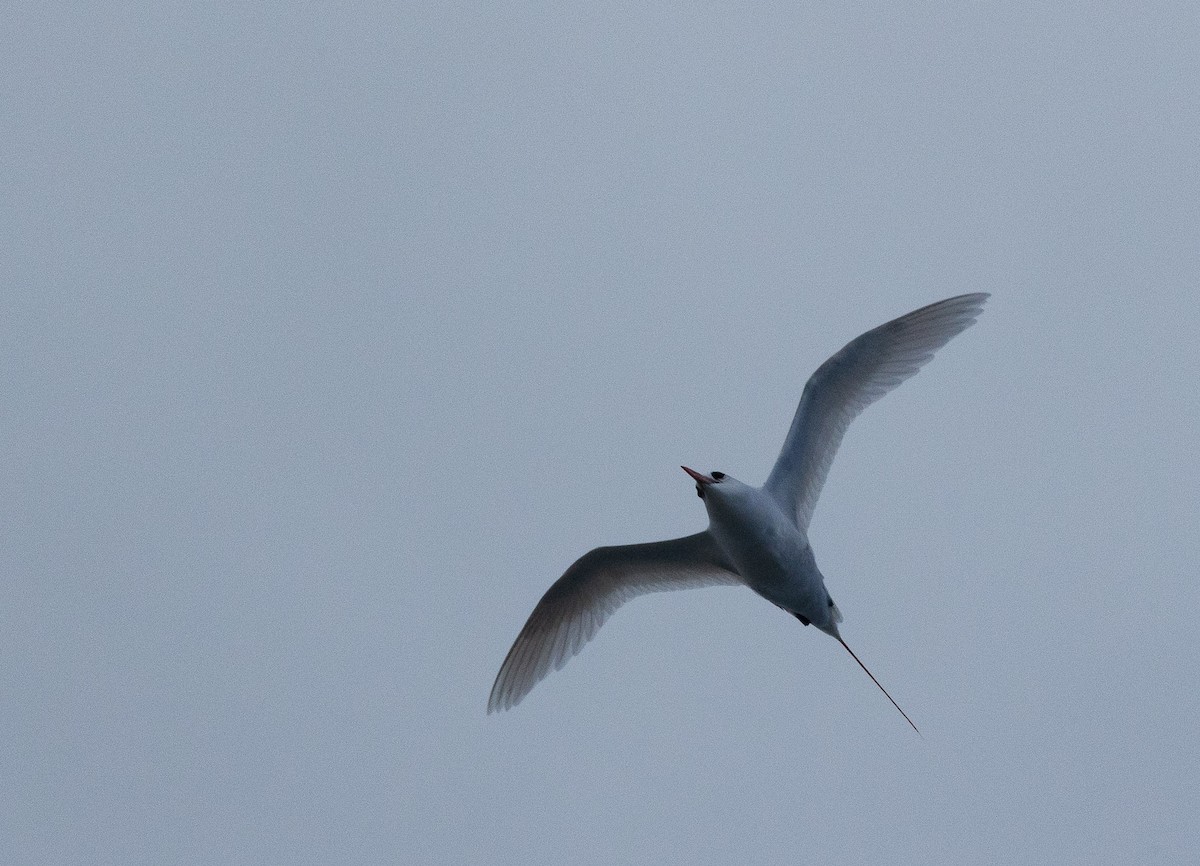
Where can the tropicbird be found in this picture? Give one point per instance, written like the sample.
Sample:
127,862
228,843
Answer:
756,536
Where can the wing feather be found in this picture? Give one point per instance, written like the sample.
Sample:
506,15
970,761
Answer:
579,602
868,367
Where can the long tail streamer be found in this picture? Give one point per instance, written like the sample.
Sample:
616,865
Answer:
881,688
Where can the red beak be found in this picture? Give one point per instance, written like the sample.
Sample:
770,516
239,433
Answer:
700,477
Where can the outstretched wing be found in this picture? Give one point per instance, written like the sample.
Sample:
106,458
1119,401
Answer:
863,371
574,608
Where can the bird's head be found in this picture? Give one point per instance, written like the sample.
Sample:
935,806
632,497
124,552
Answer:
704,482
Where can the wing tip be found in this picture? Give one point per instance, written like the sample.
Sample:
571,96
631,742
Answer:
502,697
971,303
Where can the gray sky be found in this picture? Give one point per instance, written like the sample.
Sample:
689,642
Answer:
334,333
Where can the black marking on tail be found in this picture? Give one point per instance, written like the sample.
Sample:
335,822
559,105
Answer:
802,619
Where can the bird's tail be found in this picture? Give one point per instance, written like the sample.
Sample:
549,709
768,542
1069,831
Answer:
881,688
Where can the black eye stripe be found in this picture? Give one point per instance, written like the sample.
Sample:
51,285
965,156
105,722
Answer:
717,476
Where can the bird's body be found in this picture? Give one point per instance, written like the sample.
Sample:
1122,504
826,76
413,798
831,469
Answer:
756,536
767,549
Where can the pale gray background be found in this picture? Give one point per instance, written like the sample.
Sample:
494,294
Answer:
334,332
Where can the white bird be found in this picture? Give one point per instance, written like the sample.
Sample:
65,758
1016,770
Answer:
756,536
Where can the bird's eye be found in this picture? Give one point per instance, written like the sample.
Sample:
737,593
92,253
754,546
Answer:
717,476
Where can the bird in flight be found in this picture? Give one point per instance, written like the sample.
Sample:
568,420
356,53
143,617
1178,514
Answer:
756,536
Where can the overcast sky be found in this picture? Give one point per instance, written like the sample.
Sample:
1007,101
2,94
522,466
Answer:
333,333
